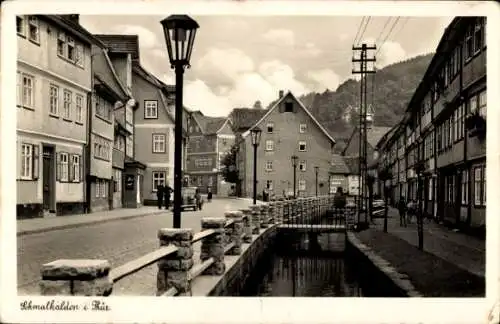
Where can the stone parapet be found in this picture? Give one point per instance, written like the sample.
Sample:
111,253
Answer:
255,219
78,277
235,231
264,215
173,269
212,246
247,225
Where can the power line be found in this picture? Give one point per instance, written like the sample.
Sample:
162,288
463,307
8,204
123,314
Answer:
359,29
383,29
387,36
363,33
402,26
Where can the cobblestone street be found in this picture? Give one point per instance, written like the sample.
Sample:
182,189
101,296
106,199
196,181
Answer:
117,241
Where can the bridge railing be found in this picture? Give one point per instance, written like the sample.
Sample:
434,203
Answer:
177,267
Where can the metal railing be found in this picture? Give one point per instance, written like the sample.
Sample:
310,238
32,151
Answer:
177,268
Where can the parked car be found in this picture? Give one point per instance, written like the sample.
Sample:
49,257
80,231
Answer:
190,199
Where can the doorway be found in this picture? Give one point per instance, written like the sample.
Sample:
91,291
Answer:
49,179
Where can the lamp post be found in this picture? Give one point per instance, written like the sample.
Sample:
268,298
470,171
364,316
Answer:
316,170
255,132
179,31
294,163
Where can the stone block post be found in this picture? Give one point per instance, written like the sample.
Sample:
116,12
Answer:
76,278
271,211
213,246
247,225
173,269
264,215
236,231
255,219
285,210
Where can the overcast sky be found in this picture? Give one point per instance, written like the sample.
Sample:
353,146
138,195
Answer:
240,59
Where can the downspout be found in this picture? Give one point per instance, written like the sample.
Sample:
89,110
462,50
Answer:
88,150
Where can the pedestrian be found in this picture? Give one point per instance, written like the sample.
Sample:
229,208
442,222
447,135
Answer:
159,195
402,208
339,200
168,192
411,211
209,194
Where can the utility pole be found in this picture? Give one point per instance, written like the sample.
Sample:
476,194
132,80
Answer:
363,167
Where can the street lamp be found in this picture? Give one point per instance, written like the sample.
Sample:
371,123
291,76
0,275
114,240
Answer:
316,169
255,132
180,31
294,163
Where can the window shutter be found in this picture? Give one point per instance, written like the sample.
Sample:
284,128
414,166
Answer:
35,160
58,166
81,168
71,170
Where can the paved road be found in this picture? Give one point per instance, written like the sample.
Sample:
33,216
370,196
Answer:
117,241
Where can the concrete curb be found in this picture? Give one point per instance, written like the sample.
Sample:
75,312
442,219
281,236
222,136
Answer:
400,280
99,221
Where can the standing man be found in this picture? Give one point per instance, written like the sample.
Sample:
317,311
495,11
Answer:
167,191
402,211
159,195
339,200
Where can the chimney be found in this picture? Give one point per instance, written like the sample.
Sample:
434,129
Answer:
73,18
281,93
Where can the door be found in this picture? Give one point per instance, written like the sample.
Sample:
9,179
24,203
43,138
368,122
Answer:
48,179
111,192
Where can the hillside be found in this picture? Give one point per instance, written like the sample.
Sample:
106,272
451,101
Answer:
393,87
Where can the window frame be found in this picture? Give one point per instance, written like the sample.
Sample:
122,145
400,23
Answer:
478,29
469,48
79,102
54,100
33,22
269,145
301,185
70,49
270,128
26,161
154,185
479,186
270,185
159,139
269,166
288,106
61,44
305,146
67,104
31,78
64,165
22,24
302,128
151,109
464,189
75,165
303,166
481,108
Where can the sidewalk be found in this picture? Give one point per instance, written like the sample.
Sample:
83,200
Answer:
451,265
39,225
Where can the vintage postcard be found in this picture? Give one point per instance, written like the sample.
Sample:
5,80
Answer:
249,161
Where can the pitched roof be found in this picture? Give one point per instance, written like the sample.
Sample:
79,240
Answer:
338,165
300,105
121,43
75,28
352,162
244,118
375,133
209,125
104,71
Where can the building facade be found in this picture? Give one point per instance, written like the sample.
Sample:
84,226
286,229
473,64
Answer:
288,129
54,83
443,132
210,138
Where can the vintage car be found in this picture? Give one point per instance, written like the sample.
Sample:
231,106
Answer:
189,200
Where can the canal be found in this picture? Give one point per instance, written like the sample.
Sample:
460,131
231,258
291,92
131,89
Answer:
305,265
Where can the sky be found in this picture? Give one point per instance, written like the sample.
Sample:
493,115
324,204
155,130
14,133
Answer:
237,60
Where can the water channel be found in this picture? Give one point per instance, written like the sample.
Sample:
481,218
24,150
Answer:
304,265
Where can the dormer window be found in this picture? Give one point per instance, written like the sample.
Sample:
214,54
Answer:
288,107
270,127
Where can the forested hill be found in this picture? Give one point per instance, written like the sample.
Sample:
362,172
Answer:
393,88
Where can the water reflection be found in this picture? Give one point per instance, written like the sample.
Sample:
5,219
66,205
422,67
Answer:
305,266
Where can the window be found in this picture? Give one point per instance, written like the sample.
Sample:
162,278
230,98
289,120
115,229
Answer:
34,29
79,58
478,35
302,185
103,108
159,145
479,186
270,127
302,128
469,44
119,143
288,107
101,188
75,168
129,115
64,167
102,148
269,165
98,188
61,44
269,184
482,103
473,104
79,109
150,109
54,100
67,104
71,49
159,178
431,193
26,161
465,187
130,145
19,89
28,82
269,145
302,146
21,25
203,163
302,166
117,177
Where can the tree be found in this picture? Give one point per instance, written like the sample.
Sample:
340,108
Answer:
257,105
229,165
